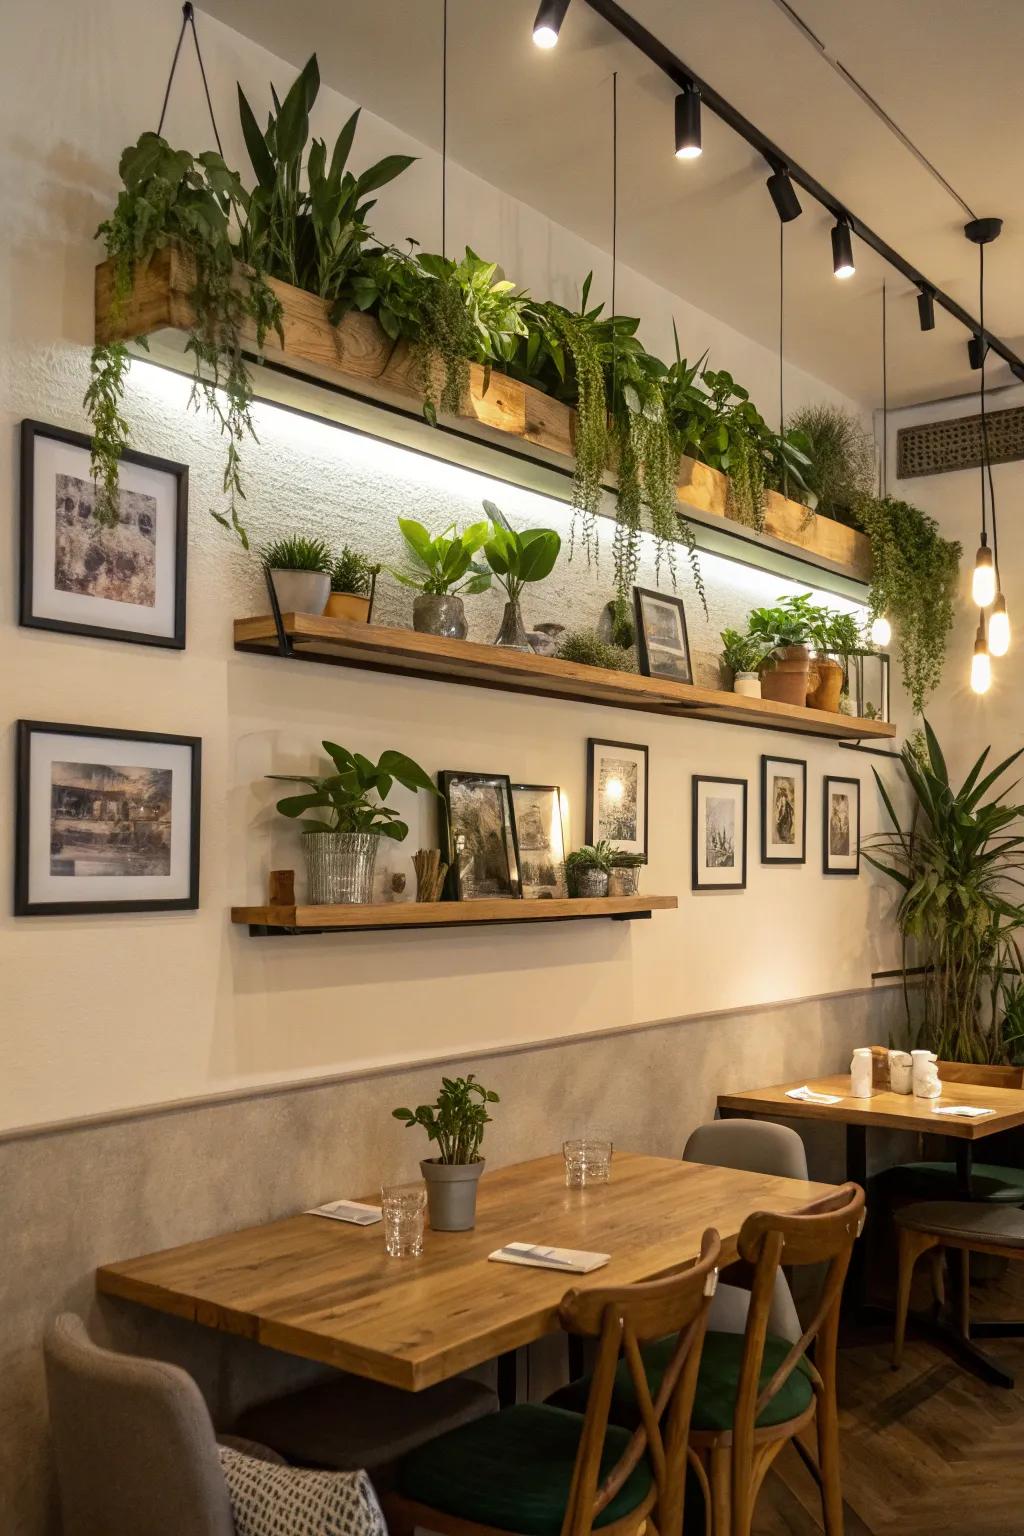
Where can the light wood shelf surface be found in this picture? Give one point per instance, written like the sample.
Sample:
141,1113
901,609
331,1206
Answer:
449,914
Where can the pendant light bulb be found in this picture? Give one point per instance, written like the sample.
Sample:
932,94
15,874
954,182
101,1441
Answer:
999,628
983,581
842,249
881,630
981,664
549,22
688,140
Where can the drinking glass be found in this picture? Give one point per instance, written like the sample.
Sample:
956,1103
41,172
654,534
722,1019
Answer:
403,1206
587,1161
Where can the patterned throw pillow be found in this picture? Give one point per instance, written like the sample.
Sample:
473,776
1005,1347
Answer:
272,1500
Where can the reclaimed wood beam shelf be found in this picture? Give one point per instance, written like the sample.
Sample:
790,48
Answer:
263,921
358,356
340,642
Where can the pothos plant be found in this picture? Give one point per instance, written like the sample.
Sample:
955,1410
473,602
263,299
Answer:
345,795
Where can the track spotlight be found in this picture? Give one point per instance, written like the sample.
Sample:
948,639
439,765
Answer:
926,309
549,22
842,249
983,579
688,145
981,662
977,351
787,204
999,628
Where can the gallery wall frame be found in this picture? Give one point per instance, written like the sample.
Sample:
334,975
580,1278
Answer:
541,849
662,640
468,801
623,820
840,825
725,868
776,771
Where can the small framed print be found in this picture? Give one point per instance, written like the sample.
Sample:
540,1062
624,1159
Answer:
783,810
719,834
120,582
617,795
538,815
662,644
107,820
840,836
478,831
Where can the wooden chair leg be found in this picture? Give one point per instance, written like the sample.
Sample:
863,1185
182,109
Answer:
963,1298
828,1465
911,1246
937,1265
720,1477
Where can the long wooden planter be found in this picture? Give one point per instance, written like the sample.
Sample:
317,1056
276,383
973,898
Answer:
359,354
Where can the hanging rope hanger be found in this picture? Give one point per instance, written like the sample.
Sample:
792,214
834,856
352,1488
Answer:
883,463
188,19
444,128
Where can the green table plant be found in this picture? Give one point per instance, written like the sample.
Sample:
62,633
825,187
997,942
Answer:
517,560
441,569
352,572
455,1124
300,569
597,858
745,652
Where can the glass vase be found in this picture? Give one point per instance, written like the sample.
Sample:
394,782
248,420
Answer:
512,634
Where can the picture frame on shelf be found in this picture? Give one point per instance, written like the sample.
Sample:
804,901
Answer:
719,833
478,836
617,795
107,820
662,642
126,582
869,686
783,810
538,820
840,831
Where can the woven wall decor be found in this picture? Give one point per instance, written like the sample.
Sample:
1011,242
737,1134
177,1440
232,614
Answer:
937,447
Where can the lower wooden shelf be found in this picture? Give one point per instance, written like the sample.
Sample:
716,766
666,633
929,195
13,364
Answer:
264,921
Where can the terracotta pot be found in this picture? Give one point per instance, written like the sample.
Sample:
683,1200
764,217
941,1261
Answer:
824,684
348,605
786,681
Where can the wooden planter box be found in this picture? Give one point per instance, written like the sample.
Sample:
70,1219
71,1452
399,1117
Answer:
358,354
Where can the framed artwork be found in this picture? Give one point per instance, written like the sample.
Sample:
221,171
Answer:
107,820
783,810
663,647
617,795
479,832
79,575
840,837
538,820
719,834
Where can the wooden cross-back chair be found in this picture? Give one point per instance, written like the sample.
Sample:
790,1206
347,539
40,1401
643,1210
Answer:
486,1478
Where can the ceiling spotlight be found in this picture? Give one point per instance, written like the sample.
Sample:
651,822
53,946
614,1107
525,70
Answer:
999,628
842,248
787,204
926,309
549,22
688,145
983,578
981,663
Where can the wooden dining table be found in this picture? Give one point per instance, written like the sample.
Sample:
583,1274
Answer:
327,1291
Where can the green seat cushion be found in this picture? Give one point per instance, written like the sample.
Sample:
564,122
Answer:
989,1181
513,1470
715,1399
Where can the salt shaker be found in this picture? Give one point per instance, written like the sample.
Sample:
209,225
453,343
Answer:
861,1073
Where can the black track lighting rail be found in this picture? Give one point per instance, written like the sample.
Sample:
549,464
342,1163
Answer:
685,78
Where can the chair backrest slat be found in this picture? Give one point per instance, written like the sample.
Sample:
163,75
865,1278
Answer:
983,1076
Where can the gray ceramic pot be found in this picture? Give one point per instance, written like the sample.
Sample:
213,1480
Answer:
301,591
451,1194
592,882
434,614
339,867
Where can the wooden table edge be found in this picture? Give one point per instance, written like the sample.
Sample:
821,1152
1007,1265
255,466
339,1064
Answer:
849,1114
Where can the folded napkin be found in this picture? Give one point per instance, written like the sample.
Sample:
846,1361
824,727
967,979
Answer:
964,1111
349,1210
808,1096
571,1260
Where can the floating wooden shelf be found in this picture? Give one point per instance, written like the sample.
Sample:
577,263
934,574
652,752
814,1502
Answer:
404,651
360,356
444,914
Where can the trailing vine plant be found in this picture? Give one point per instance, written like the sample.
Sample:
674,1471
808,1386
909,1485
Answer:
575,334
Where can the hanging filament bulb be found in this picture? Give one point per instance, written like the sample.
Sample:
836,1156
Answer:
881,630
981,663
983,581
999,628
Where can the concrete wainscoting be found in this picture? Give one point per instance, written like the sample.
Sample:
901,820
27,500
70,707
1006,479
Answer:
78,1195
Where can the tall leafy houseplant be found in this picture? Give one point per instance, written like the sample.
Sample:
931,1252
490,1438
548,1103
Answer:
455,1125
959,866
517,559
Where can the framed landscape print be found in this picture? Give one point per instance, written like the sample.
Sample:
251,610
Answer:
125,581
840,837
479,833
617,795
719,834
538,818
662,645
783,810
107,820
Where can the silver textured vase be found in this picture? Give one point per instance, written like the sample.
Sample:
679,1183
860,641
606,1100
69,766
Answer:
512,633
440,614
339,867
592,882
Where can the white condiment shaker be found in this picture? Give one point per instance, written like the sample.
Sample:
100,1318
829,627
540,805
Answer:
861,1073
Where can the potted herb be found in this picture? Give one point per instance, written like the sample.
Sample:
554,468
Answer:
352,581
745,655
515,559
441,569
787,628
624,874
300,569
587,869
341,850
456,1123
834,635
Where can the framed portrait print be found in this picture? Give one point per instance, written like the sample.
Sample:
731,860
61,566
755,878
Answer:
122,581
840,836
783,810
107,820
719,834
478,830
663,647
538,818
617,795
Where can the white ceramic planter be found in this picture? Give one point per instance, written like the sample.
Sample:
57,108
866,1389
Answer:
301,591
748,684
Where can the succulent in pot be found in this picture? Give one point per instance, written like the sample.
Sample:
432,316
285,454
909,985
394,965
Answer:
587,869
787,628
341,850
441,569
352,584
516,559
300,569
745,655
624,875
455,1121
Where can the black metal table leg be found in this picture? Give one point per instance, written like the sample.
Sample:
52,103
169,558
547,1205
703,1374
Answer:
964,1163
508,1378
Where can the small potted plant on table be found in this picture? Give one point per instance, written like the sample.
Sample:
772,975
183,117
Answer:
456,1123
587,869
300,569
352,579
441,569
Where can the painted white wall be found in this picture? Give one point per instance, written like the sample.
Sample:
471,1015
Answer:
106,1012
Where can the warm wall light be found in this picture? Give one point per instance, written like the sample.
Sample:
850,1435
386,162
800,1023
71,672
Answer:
881,630
842,249
688,143
783,193
926,309
983,581
981,665
999,628
549,22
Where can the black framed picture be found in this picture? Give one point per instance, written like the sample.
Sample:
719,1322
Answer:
107,820
538,819
840,834
783,810
478,832
663,647
117,580
719,834
617,795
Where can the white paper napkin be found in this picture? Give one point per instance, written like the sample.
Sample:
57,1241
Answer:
965,1111
572,1260
349,1210
809,1096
